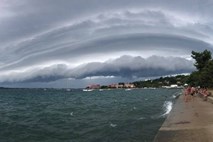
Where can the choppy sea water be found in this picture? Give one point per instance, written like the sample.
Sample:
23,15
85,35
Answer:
38,115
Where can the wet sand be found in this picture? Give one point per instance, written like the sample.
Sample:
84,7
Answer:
188,122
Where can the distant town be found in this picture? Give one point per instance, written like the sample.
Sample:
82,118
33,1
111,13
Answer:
162,82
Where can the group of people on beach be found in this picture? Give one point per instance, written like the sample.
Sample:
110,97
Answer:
204,92
190,92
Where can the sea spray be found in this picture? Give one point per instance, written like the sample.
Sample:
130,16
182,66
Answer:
167,107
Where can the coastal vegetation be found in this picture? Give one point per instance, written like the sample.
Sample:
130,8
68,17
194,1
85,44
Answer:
203,75
180,80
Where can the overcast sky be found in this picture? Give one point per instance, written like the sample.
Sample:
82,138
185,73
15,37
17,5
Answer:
72,43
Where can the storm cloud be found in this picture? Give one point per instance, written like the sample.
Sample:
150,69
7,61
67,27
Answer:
125,66
50,40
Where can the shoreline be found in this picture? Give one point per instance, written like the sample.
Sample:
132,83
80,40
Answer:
188,122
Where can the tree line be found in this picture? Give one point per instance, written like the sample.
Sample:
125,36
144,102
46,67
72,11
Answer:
203,76
180,80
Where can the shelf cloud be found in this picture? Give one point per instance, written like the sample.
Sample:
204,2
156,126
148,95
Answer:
52,40
125,66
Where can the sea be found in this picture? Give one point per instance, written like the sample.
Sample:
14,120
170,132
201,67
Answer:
60,115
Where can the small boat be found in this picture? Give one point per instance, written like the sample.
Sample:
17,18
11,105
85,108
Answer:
128,89
87,90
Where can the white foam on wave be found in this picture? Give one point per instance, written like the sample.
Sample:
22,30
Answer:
113,125
168,107
142,118
176,95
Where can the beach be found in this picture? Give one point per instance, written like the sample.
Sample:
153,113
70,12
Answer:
187,122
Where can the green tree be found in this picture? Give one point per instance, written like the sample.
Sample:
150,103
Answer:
194,79
204,64
201,59
206,76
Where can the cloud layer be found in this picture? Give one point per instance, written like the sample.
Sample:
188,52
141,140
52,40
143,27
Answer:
125,66
50,40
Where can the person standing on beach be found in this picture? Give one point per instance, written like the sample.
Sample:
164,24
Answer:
187,92
192,92
205,94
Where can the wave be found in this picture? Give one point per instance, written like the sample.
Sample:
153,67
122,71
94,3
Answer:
113,125
176,95
167,107
141,118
